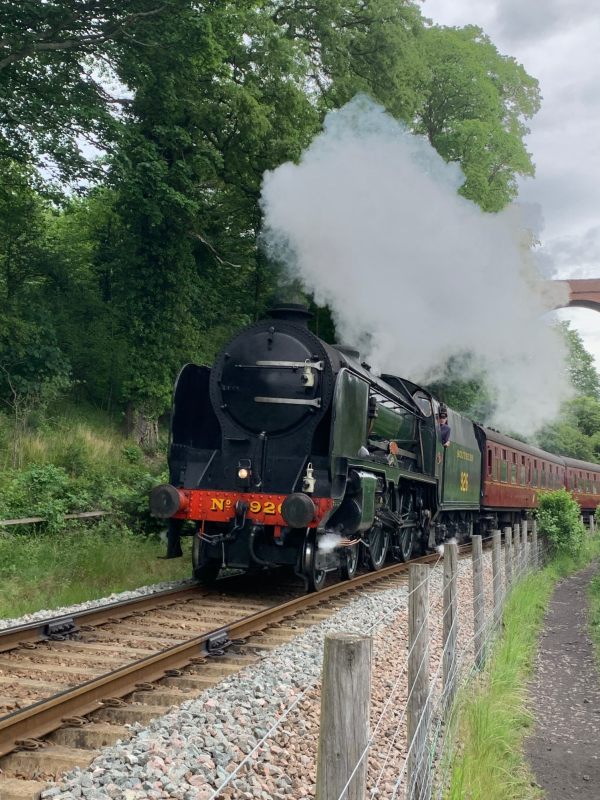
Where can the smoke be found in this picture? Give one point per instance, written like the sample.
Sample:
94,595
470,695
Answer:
329,541
440,547
371,223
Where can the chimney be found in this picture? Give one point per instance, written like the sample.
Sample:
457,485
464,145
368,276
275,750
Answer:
292,312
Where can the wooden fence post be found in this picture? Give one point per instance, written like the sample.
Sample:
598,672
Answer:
525,545
592,523
508,558
450,618
517,552
535,556
417,719
497,576
478,602
345,705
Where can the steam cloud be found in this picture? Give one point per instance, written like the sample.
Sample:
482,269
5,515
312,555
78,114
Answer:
371,223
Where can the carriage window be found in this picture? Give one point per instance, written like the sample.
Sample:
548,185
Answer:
522,478
543,475
490,461
513,473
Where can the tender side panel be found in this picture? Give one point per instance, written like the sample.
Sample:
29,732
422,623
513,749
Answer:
462,465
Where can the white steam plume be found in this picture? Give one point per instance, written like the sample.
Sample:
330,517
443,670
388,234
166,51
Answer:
370,222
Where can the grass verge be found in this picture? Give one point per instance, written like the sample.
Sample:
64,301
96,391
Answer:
54,569
594,595
492,718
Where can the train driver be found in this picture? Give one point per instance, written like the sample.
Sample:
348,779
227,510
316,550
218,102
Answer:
445,429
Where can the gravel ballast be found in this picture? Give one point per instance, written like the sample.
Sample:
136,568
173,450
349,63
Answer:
191,751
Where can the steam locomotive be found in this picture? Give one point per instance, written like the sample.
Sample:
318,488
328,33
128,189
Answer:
290,451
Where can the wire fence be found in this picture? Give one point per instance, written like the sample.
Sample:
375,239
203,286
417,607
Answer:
409,758
406,750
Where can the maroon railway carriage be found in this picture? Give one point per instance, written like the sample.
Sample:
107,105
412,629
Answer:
583,480
513,474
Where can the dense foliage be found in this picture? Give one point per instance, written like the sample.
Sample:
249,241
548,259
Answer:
559,519
77,461
577,432
108,288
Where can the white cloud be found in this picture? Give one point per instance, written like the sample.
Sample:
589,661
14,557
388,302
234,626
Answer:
517,20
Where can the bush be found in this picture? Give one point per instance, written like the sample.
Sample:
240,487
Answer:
42,491
559,519
79,462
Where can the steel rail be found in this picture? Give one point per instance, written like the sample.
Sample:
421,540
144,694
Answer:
51,627
47,715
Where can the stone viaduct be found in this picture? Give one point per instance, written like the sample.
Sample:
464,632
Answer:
583,293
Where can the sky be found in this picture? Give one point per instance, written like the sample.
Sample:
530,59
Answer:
557,43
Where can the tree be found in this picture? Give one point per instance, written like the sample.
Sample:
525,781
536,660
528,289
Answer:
57,61
33,369
474,109
564,439
582,370
165,258
212,111
577,432
351,46
467,395
85,238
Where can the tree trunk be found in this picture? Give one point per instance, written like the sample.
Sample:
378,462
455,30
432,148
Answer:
142,428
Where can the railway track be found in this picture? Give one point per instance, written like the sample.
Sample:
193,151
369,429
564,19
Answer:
63,681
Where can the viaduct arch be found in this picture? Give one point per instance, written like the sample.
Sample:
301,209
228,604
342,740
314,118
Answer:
583,293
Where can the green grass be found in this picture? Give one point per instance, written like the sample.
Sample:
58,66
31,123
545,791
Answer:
594,594
492,718
76,458
47,570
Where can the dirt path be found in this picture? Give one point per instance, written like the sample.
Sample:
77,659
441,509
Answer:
564,750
